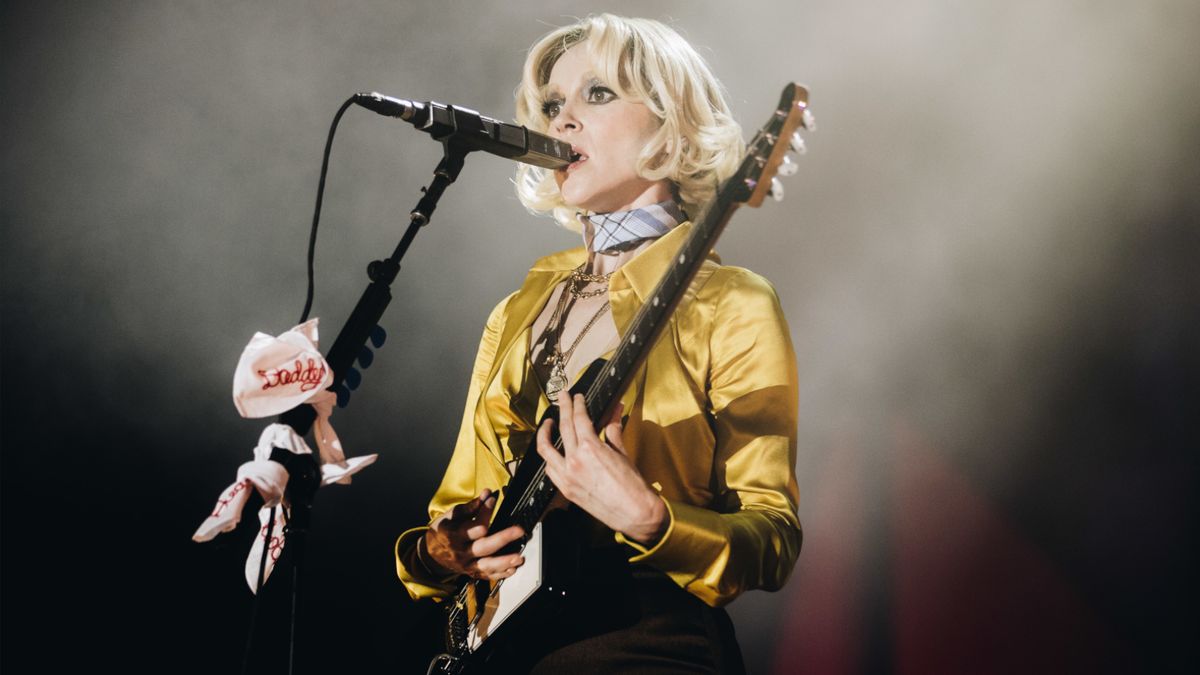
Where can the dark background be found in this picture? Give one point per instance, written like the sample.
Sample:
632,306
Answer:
988,260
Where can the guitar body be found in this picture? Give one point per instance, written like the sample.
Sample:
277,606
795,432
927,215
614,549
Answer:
482,614
486,614
537,592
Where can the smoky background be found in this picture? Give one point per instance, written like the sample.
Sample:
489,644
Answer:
987,259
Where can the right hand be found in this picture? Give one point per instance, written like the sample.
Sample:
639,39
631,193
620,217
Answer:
459,542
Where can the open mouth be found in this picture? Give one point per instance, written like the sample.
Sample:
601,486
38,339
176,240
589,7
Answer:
577,158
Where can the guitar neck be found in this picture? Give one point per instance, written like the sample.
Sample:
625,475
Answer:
643,331
530,491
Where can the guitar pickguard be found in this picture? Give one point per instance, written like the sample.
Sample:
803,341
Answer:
507,595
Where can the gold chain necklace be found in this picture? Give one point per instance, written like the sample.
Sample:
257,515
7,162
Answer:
579,279
580,275
557,359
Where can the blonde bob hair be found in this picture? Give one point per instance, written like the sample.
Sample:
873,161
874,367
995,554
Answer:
698,144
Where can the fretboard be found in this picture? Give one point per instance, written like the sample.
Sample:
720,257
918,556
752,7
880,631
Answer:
530,491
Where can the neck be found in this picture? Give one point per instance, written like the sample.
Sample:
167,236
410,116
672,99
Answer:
609,261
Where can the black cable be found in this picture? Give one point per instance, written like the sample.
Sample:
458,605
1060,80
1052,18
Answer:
262,573
308,300
312,237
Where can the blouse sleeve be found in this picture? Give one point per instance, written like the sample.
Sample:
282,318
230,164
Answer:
750,536
459,482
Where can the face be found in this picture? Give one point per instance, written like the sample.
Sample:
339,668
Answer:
606,131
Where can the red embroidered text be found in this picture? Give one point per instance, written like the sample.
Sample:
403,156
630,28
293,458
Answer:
224,501
309,376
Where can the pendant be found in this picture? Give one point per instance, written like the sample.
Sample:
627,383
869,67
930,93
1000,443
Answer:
558,380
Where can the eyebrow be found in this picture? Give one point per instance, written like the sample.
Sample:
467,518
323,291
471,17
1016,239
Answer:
548,90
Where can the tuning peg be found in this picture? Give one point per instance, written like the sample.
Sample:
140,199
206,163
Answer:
378,336
366,357
343,396
807,120
776,190
353,378
797,143
788,167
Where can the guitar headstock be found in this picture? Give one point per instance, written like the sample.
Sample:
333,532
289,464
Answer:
772,150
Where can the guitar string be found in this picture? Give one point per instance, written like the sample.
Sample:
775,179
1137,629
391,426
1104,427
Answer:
594,391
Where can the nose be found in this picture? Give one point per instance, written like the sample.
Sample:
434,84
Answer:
566,120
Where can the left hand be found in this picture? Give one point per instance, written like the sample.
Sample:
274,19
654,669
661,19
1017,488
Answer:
597,476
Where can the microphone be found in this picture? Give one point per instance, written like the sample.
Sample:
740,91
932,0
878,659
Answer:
476,131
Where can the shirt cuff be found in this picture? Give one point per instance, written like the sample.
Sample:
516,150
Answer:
413,570
643,551
696,541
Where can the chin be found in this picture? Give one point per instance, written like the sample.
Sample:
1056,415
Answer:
575,200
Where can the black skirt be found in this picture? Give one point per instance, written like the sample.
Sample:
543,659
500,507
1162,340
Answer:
625,619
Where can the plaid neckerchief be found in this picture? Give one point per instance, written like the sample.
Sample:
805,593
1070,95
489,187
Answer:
622,230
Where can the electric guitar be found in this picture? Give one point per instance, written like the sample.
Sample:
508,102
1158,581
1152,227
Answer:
482,613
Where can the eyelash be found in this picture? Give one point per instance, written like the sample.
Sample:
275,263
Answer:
550,107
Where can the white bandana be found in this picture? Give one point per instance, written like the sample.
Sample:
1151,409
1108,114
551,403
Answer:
622,230
274,375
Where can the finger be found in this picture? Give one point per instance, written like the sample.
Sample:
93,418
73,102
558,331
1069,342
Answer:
613,434
484,513
494,567
545,446
615,414
457,512
468,509
584,429
477,531
483,516
481,548
560,474
566,429
472,570
474,506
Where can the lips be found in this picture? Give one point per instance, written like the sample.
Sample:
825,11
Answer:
579,155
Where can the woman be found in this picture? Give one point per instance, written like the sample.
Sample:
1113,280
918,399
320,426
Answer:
691,488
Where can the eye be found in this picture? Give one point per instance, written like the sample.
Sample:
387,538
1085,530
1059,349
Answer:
551,108
600,94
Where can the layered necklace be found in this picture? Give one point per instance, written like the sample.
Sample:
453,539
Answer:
556,358
609,233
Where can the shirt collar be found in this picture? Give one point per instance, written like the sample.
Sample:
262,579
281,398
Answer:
641,273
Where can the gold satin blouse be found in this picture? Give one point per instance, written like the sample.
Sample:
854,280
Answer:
710,423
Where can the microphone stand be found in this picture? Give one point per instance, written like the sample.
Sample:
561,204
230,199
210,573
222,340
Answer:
351,343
